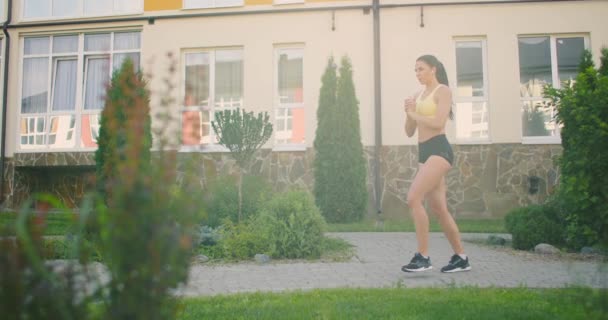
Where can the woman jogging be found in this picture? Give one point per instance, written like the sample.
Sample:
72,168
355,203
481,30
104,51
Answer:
428,112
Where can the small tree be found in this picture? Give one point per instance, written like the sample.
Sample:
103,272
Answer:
124,119
243,134
582,109
145,234
340,173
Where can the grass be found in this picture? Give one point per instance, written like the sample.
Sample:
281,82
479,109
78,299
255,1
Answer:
398,303
57,224
468,225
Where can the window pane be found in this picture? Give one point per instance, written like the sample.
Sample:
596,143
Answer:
32,133
534,65
97,42
65,44
228,79
290,76
471,120
89,131
469,68
569,54
97,7
124,6
198,3
64,85
36,45
65,8
538,119
290,124
197,79
36,8
35,85
126,40
120,58
97,78
61,132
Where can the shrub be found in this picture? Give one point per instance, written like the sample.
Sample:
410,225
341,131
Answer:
240,241
582,109
292,226
535,224
339,167
222,199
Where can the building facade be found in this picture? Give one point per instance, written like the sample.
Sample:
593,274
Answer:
269,55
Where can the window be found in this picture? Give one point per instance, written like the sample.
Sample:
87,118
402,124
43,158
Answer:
213,81
64,79
2,10
471,98
545,60
197,4
287,1
56,9
289,114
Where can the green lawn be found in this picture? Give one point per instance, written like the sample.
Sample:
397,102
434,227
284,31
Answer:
464,224
57,224
461,303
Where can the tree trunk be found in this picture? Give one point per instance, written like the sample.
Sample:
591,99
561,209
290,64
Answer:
240,193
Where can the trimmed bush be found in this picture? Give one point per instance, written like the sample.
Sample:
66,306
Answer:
222,199
292,225
339,167
535,224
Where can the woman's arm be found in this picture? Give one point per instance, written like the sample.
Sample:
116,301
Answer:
410,107
444,105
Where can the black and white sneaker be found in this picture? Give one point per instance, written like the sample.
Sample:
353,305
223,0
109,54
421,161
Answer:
418,263
457,264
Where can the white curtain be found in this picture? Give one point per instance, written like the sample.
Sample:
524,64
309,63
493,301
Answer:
35,85
36,45
228,75
64,85
65,8
65,44
125,6
126,40
36,8
97,7
97,78
97,42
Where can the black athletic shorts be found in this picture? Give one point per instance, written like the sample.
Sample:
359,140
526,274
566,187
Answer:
436,146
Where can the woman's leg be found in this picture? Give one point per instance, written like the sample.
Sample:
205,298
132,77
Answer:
438,203
428,177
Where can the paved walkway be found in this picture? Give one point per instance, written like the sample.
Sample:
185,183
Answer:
378,261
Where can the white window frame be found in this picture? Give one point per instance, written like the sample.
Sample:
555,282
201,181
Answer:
557,139
485,98
210,147
277,105
214,4
80,14
280,2
79,110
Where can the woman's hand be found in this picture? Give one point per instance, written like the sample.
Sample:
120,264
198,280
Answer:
409,105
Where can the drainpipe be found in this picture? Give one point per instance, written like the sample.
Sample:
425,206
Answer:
7,50
377,107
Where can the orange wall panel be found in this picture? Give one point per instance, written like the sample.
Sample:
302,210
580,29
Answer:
157,5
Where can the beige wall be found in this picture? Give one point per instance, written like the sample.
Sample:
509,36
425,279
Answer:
258,35
402,42
500,25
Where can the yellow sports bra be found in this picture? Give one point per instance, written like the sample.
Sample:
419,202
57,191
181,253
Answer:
427,106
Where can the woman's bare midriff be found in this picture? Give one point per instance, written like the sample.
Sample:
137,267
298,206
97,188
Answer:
426,133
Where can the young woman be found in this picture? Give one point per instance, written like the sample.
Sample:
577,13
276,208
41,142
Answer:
428,112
